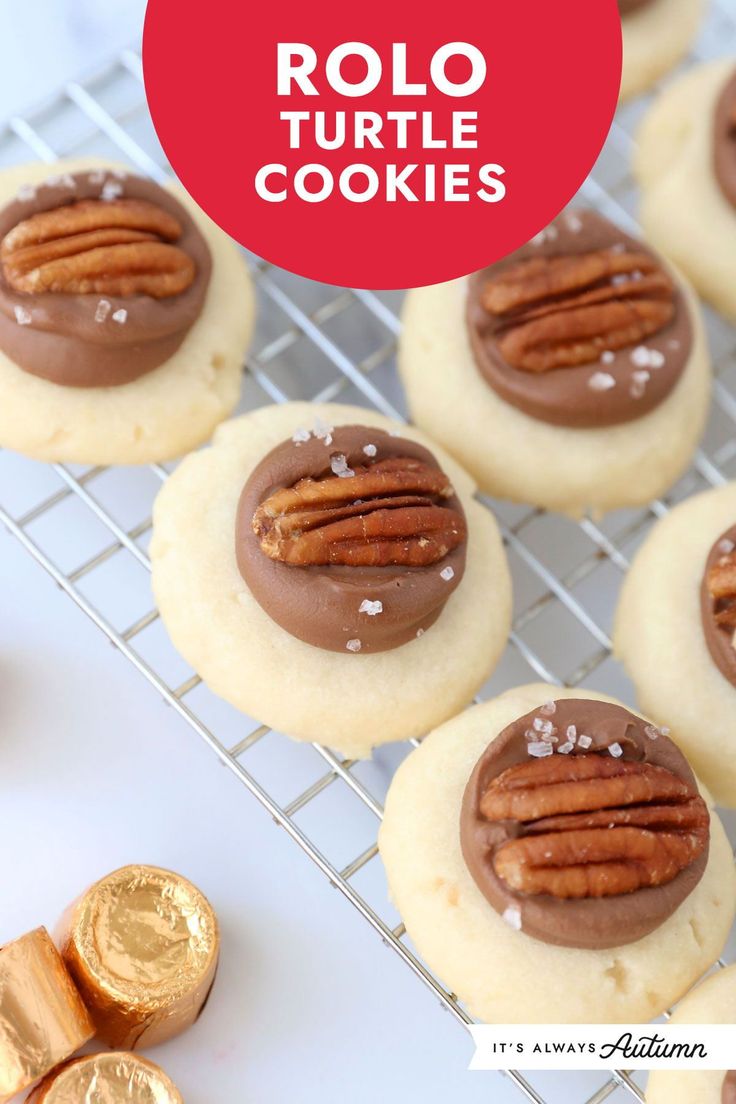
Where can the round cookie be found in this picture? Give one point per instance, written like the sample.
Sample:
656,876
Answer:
684,211
500,973
161,414
660,639
712,1002
348,700
516,455
656,34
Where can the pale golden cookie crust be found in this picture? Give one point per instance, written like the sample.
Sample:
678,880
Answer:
712,1002
351,702
503,975
164,413
659,638
655,38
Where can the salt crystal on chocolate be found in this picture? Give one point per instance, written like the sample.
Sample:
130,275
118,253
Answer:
601,381
371,608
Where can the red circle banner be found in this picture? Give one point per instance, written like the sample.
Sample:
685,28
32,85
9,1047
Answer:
385,148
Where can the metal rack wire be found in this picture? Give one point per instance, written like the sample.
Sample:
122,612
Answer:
89,527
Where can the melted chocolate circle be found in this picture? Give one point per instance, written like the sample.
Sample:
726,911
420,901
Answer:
321,604
724,144
719,638
62,337
590,923
728,1092
564,396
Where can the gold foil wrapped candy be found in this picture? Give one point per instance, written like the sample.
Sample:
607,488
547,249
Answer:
142,946
42,1019
116,1078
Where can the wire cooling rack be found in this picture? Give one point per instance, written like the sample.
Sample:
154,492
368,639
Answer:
89,526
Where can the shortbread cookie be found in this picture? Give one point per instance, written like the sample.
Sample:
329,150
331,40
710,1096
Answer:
328,572
657,34
573,375
676,637
713,1002
124,316
554,862
686,165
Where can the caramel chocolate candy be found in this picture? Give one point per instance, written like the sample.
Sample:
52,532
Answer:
116,1078
583,826
582,327
102,275
718,604
42,1018
142,946
728,1090
350,538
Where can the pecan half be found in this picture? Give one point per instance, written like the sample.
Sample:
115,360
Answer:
721,583
560,312
385,513
594,826
119,247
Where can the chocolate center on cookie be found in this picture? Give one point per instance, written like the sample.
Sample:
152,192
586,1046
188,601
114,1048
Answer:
102,275
351,539
718,604
582,327
582,825
724,146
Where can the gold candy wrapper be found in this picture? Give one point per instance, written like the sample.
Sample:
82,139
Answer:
42,1018
116,1078
142,947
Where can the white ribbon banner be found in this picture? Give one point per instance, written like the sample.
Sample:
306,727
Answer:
603,1046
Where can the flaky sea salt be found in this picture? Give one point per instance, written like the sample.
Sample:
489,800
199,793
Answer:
643,357
353,645
22,316
26,193
300,436
60,180
572,733
566,748
322,431
543,726
607,357
550,233
540,749
102,310
420,632
371,608
651,732
370,450
584,742
639,380
574,223
111,189
726,547
340,467
548,709
447,573
512,917
615,750
120,316
601,381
